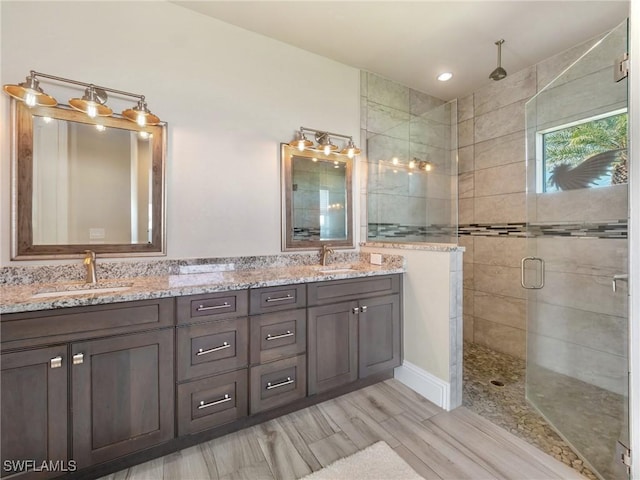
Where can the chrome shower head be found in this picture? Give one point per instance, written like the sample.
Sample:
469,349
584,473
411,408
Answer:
499,73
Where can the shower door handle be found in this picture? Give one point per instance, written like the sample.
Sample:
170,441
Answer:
623,277
522,268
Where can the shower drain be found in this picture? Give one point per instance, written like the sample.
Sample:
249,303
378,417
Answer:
497,383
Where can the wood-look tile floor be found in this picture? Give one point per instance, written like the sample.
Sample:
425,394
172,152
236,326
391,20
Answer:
437,444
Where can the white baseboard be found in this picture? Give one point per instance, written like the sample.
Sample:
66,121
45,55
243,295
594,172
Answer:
429,386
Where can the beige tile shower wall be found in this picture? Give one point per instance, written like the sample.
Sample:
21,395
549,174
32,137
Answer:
492,186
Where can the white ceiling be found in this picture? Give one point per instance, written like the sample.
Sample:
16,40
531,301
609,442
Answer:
411,42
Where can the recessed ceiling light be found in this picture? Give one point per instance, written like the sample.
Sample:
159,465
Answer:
445,76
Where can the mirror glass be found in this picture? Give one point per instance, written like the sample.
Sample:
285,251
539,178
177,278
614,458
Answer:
83,183
317,199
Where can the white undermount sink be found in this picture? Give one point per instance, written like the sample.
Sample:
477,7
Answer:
81,290
336,269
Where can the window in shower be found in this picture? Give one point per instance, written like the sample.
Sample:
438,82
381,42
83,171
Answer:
587,153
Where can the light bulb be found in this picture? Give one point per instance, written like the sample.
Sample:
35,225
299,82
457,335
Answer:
141,119
327,149
101,128
412,164
351,153
92,111
427,167
394,160
301,145
30,99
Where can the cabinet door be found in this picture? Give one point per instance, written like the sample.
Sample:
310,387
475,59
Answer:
123,395
34,409
379,334
332,346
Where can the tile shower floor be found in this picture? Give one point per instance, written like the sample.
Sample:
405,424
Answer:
506,405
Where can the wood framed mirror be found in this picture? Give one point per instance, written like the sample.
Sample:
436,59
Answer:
81,183
317,199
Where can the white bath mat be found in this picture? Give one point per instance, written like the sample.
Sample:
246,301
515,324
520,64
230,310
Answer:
377,462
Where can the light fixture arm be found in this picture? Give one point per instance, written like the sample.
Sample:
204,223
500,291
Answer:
324,132
34,74
499,44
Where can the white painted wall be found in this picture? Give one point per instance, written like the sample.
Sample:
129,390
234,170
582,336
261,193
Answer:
432,339
229,96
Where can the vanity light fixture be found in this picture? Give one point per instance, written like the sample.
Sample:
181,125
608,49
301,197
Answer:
141,114
93,102
324,143
350,150
300,141
30,93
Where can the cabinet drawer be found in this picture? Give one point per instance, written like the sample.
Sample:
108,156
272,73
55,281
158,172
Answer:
320,293
212,348
200,308
272,299
278,335
212,401
79,323
278,383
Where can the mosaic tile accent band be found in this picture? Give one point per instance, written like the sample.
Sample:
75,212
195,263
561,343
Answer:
610,229
403,232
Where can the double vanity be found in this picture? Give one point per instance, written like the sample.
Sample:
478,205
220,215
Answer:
101,377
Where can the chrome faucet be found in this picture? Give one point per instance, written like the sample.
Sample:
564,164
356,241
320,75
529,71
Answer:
90,264
325,251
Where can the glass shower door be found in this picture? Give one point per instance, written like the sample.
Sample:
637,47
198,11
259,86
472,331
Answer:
576,268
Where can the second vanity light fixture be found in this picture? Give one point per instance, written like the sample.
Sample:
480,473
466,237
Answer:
93,102
324,143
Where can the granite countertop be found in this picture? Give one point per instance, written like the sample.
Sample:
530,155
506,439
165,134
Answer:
20,298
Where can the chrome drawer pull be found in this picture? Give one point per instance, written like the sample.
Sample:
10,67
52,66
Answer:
282,335
78,358
56,362
202,308
271,386
279,299
211,350
225,399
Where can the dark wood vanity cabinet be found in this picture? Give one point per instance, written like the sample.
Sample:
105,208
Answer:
379,334
122,395
278,329
103,385
34,409
104,391
212,341
333,346
354,330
